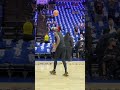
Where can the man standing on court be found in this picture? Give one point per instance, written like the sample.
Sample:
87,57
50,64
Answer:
59,51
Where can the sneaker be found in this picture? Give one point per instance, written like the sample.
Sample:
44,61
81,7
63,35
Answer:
53,72
65,74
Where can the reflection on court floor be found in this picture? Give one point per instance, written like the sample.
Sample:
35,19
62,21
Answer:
45,81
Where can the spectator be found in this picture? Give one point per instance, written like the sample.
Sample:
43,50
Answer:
98,6
88,49
77,47
105,43
117,21
110,64
44,17
101,47
40,7
88,38
93,32
33,4
76,30
111,27
102,43
69,45
111,9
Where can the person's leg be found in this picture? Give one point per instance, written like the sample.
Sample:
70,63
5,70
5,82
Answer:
69,53
96,17
65,65
57,54
63,61
55,64
77,53
54,69
104,69
100,17
109,71
66,54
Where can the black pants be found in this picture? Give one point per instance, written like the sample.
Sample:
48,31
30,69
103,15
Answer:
60,54
68,53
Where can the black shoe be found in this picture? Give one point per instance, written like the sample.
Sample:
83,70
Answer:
53,72
65,74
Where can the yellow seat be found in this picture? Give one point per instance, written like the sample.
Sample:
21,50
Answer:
28,28
46,38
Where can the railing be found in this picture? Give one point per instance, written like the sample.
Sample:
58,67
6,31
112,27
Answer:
9,70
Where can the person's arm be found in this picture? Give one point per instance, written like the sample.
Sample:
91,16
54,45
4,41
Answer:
58,39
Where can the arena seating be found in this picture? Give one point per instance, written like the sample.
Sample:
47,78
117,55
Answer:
17,59
13,52
98,27
67,20
16,56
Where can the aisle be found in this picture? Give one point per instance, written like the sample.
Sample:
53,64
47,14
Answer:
45,81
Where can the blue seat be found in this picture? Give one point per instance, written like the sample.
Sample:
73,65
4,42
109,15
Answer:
66,20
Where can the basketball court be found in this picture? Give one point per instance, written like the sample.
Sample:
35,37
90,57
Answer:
45,81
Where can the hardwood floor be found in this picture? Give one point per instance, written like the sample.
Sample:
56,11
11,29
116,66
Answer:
45,81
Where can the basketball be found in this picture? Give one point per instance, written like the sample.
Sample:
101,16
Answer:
55,12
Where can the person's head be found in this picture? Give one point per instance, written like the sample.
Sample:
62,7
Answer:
67,35
59,28
111,22
56,29
112,42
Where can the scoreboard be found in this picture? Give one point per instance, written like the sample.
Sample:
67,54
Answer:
42,2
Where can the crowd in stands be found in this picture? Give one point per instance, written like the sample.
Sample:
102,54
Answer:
69,33
103,38
17,45
71,47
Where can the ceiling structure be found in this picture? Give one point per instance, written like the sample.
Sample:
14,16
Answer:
46,1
